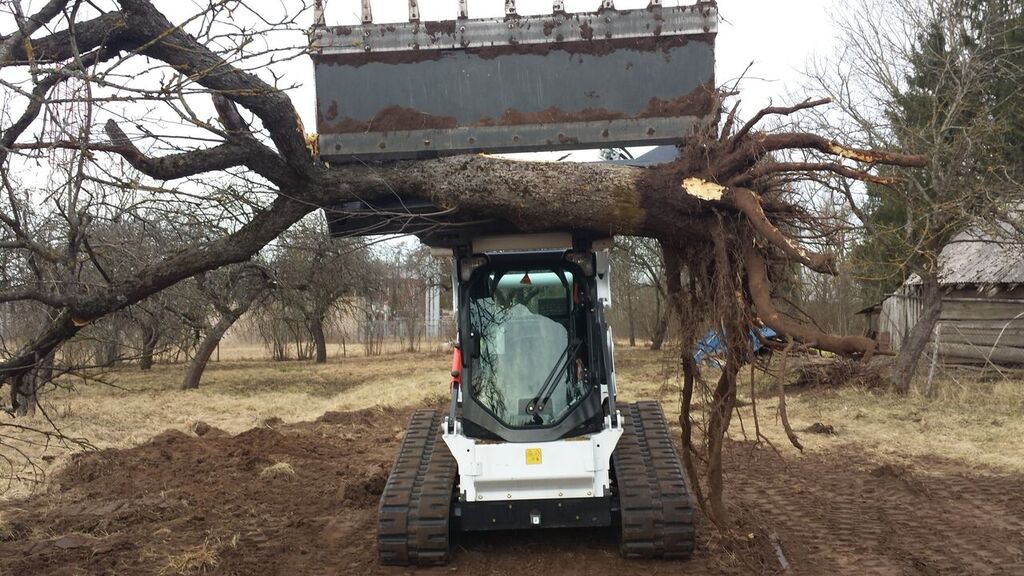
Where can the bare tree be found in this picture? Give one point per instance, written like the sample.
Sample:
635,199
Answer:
231,291
413,273
313,273
638,271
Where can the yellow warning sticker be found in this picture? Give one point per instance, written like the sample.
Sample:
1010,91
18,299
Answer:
533,455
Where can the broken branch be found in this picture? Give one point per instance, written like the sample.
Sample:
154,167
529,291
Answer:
750,205
760,293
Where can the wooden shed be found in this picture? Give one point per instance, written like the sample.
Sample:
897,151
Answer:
982,318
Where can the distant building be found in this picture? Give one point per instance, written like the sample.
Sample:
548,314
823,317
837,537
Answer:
982,318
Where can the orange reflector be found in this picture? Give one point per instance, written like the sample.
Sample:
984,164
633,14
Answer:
526,279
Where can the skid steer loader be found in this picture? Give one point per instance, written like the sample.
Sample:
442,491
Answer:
533,436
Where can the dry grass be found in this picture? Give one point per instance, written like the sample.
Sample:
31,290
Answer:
6,530
198,560
279,470
976,422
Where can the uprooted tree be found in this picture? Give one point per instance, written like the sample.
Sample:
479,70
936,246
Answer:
722,211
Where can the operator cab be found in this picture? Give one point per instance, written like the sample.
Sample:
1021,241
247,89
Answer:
528,325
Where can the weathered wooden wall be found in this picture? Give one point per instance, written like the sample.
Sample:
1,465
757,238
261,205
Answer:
899,314
975,326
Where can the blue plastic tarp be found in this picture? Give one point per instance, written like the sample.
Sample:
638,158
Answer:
713,343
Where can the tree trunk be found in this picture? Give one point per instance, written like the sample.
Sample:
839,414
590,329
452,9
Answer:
632,320
661,328
150,338
723,401
300,351
673,200
411,330
664,313
916,341
45,371
195,369
316,329
672,269
23,394
25,388
108,351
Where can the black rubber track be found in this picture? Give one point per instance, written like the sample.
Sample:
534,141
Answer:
414,510
654,497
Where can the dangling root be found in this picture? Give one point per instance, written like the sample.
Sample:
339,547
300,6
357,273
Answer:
780,383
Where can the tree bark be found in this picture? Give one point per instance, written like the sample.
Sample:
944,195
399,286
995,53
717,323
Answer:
914,344
25,389
671,270
631,318
316,329
723,401
150,338
660,329
195,369
23,394
45,371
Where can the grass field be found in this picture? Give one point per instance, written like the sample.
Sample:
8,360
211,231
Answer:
979,423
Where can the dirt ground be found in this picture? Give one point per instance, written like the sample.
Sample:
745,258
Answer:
301,498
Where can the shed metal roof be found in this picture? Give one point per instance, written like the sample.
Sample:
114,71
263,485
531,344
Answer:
975,257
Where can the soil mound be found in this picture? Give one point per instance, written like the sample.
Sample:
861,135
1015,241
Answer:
272,422
251,502
365,417
204,430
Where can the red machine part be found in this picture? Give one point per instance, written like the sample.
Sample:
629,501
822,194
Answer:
456,367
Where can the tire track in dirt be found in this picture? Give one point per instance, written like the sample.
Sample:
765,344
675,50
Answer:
844,514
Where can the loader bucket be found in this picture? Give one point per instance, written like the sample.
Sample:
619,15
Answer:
561,81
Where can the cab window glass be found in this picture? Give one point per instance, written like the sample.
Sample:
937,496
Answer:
527,349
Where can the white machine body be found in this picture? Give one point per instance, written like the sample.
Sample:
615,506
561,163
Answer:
575,467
